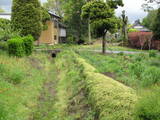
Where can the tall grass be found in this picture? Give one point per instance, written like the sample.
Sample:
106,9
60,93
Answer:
138,70
20,85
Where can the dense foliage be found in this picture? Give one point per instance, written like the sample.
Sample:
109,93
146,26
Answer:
26,17
20,46
45,17
149,20
156,28
5,30
72,18
16,47
102,18
28,44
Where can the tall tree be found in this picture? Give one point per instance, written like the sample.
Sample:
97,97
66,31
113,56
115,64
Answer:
124,26
55,6
151,4
72,17
156,25
149,20
26,17
102,18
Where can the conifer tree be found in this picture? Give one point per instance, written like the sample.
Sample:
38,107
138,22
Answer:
26,17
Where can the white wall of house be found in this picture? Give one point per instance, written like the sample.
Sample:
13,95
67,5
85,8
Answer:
6,16
62,32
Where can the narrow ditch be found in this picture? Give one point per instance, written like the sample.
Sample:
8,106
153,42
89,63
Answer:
78,106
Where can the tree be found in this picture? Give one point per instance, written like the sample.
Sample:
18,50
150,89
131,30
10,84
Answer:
149,20
150,4
76,26
156,26
102,19
55,6
124,26
26,17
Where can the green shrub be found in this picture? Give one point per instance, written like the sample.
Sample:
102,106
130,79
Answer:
16,47
152,53
148,107
71,40
6,32
28,44
4,23
3,45
132,30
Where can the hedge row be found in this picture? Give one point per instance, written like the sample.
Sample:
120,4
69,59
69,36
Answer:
110,99
20,46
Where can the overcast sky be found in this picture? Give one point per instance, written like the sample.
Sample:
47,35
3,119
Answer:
133,8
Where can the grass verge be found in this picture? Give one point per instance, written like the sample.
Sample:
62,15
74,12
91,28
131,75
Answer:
21,80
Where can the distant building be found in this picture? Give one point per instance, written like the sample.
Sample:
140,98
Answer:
137,25
5,15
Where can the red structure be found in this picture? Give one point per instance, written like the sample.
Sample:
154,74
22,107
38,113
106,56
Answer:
143,40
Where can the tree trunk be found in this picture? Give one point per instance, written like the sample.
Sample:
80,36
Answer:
104,44
89,31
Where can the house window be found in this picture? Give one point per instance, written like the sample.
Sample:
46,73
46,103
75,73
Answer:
55,37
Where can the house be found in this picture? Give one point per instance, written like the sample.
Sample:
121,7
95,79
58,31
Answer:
137,25
5,15
55,33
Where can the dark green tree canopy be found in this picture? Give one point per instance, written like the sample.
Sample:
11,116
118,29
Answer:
149,20
27,17
115,3
101,15
156,25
